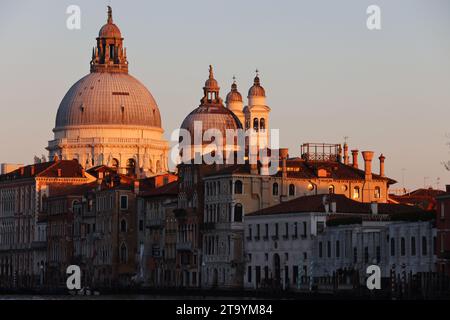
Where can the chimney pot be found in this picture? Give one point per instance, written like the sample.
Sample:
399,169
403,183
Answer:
381,158
447,187
355,158
345,154
368,156
59,172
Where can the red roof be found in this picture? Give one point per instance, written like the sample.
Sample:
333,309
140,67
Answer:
308,170
315,203
60,168
170,189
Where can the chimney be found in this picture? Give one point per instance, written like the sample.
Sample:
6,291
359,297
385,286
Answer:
284,154
368,155
381,158
22,171
355,158
32,170
136,186
254,168
374,207
447,187
345,154
59,172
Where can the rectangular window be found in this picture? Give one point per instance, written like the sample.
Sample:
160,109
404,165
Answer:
355,255
258,275
295,231
320,249
249,237
338,249
366,254
141,225
320,226
123,202
294,274
286,230
305,227
267,232
329,249
249,274
378,254
258,231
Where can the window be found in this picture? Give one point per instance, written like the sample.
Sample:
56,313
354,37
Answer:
295,231
141,225
413,246
286,256
255,124
238,187
249,274
262,124
320,249
276,231
377,193
275,189
238,212
392,247
356,193
123,202
305,227
257,231
402,246
329,249
123,226
266,232
355,254
331,189
424,246
338,249
286,230
123,253
249,232
291,190
378,254
366,254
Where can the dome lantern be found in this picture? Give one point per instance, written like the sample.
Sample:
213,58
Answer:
109,55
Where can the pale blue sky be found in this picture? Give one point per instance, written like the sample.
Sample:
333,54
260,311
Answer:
326,76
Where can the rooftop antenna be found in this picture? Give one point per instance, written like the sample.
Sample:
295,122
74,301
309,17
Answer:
403,179
438,183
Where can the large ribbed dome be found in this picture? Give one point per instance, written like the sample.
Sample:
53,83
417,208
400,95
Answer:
211,117
103,98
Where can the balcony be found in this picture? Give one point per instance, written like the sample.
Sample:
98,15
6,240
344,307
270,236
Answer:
39,245
155,224
184,246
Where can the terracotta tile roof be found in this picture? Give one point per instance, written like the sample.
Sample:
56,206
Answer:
58,190
424,198
69,169
170,189
301,169
315,203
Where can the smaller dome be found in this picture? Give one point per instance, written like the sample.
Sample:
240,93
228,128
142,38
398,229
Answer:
110,30
211,83
256,90
234,94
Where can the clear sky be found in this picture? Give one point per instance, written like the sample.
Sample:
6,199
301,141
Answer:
326,75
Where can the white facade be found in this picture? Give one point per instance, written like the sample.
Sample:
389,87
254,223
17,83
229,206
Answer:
279,248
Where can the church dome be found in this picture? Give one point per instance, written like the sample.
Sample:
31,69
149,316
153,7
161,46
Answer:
211,112
110,30
108,95
256,90
234,95
103,98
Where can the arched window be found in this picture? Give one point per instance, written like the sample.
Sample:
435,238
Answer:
262,124
291,190
123,253
238,187
238,212
377,193
131,166
356,193
123,226
255,124
115,163
331,189
275,189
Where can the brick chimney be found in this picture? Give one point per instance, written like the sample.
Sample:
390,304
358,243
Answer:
368,156
355,158
381,158
346,154
136,186
59,172
32,170
284,154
